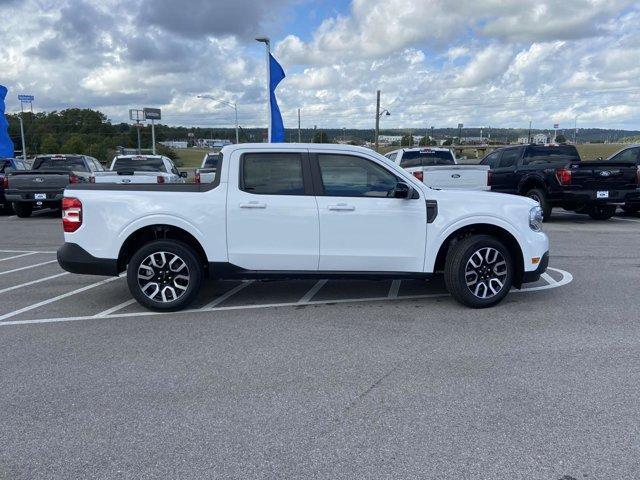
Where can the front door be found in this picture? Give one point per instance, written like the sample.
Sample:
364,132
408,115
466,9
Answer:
363,228
272,215
503,175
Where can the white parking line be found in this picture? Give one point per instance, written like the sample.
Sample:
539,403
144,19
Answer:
312,291
394,289
55,299
226,295
627,219
17,256
120,306
23,251
548,278
15,287
566,278
28,267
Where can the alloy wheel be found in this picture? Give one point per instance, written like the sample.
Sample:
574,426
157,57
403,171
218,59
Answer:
486,272
163,277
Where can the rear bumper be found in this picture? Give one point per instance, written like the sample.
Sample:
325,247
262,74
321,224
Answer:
590,197
29,197
75,259
534,275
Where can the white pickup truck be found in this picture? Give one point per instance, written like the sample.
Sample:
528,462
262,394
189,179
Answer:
438,168
207,172
140,169
301,210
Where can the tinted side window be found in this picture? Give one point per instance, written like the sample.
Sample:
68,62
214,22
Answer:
349,176
628,155
272,174
491,159
509,158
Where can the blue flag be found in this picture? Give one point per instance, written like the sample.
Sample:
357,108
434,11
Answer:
6,145
276,74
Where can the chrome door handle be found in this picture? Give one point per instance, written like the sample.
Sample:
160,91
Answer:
342,207
253,205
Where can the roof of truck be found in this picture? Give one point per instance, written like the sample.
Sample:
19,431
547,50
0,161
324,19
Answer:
295,146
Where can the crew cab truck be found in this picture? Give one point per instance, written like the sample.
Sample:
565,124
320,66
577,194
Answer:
140,169
206,173
555,176
7,165
43,186
438,168
301,211
629,154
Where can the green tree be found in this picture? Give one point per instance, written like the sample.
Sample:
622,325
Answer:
426,142
168,152
447,142
74,144
320,137
49,144
407,140
560,138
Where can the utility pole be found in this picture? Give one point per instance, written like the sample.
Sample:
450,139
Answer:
575,129
24,150
529,138
377,118
299,136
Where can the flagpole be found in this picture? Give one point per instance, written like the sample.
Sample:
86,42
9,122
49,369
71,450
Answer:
267,45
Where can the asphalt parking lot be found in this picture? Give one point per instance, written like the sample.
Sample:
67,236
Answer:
328,379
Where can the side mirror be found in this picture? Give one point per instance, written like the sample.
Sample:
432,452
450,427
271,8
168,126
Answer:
403,190
599,159
184,174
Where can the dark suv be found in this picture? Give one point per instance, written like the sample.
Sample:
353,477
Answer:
555,176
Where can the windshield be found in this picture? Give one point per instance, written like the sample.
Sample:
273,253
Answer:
426,157
212,160
140,164
60,163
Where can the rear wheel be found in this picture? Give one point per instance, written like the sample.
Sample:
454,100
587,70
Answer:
602,212
165,275
539,196
23,210
479,271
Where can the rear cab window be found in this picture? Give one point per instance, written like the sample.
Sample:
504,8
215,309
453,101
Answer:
68,164
140,164
542,153
212,160
426,157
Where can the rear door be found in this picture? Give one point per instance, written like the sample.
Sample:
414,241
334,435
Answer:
272,215
504,173
363,228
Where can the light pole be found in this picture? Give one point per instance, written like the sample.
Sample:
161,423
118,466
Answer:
230,104
267,45
378,115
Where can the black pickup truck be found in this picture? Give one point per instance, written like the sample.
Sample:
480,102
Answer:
629,154
43,185
555,176
6,166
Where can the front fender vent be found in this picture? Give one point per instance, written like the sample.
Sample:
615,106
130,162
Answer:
432,210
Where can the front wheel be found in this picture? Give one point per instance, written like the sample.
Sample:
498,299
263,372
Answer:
602,212
165,275
478,271
23,210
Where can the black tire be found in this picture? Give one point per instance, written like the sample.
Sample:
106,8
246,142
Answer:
541,197
6,210
631,209
165,277
602,212
23,210
456,271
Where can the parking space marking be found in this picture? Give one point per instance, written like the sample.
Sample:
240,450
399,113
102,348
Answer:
120,306
28,267
626,219
227,295
25,251
394,289
33,282
17,256
548,278
566,278
312,291
55,299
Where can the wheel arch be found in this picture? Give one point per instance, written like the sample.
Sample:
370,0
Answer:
532,181
508,238
149,233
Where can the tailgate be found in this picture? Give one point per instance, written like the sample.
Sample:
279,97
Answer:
34,181
456,177
604,175
113,177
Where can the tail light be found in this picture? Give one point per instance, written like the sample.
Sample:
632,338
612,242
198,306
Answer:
5,182
489,178
419,175
637,178
73,178
71,214
563,175
160,179
197,177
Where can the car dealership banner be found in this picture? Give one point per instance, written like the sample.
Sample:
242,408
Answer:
6,145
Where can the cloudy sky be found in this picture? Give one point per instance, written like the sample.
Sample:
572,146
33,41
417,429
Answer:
480,62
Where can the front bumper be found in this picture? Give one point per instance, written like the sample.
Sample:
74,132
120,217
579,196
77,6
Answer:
75,259
534,275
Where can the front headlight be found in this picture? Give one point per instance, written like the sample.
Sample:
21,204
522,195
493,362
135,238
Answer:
535,218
